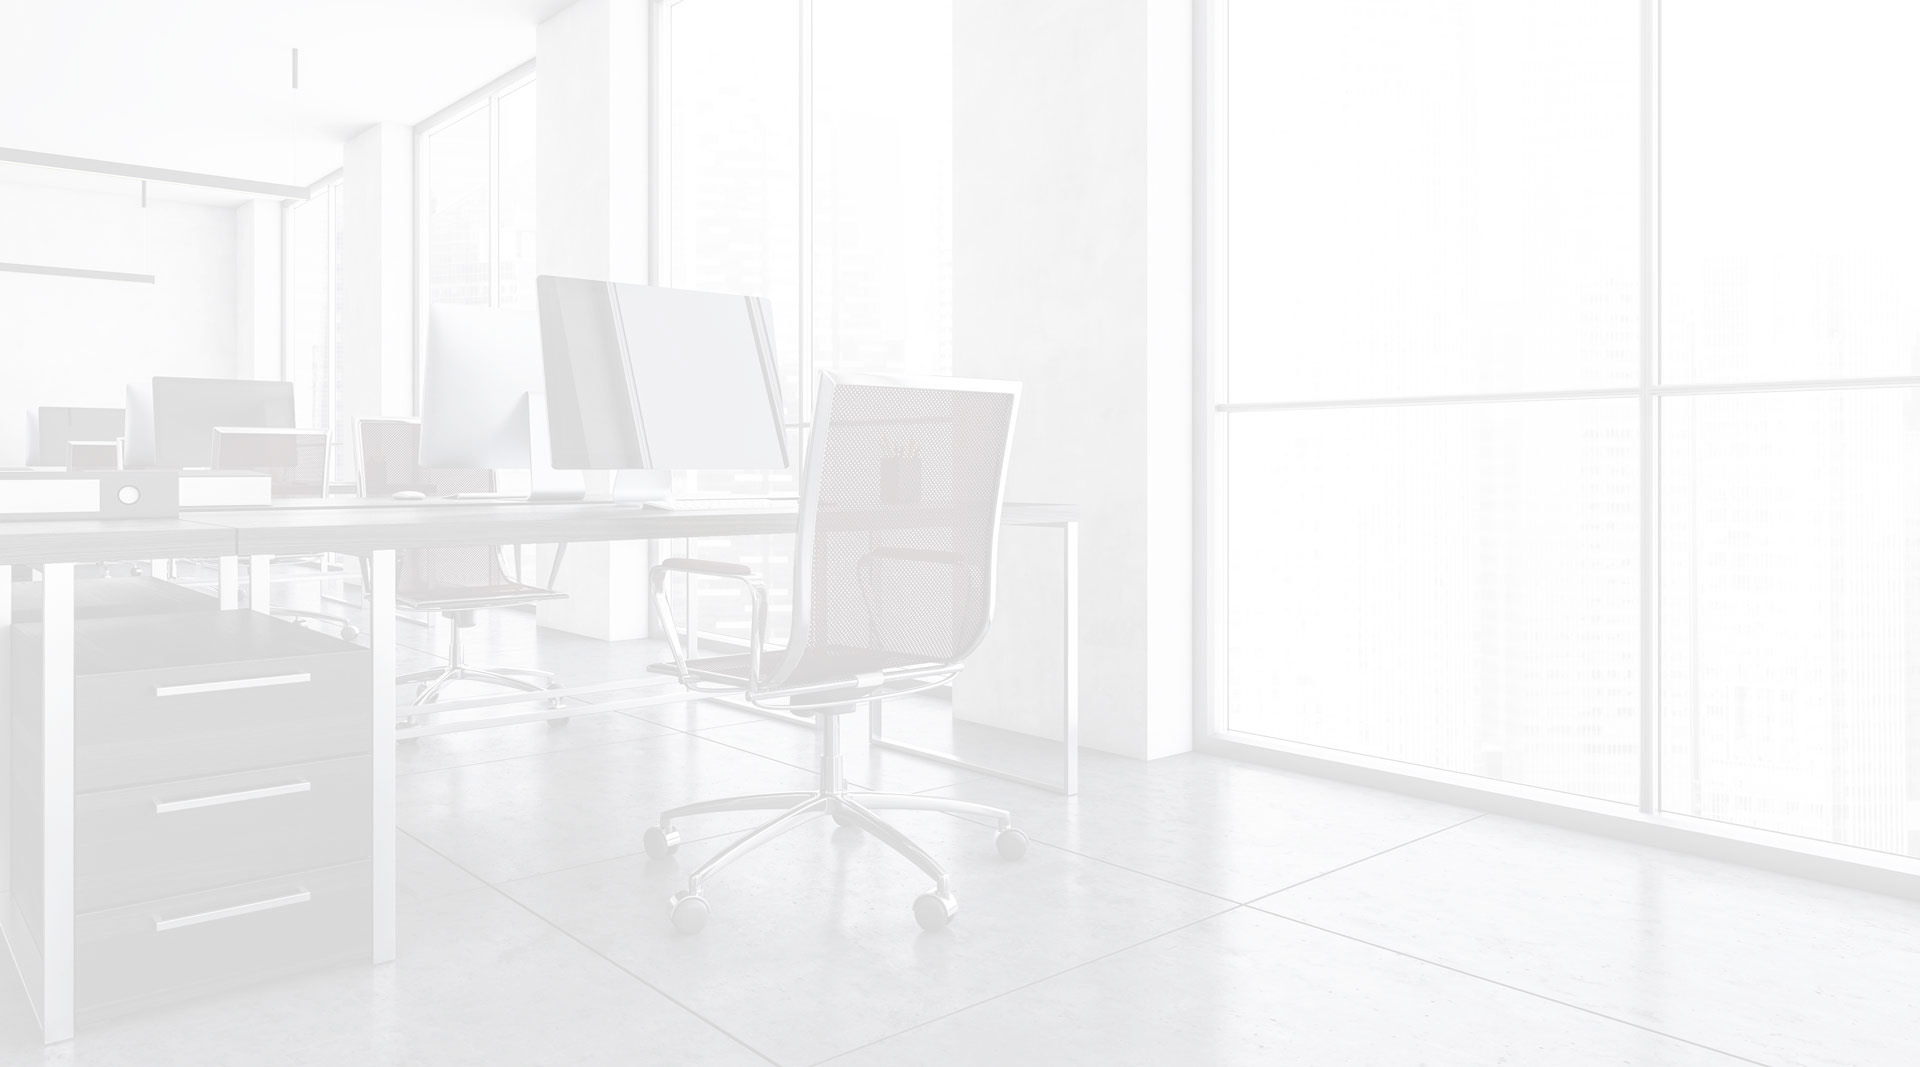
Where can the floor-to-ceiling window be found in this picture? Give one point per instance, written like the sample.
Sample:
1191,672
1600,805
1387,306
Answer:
315,361
1564,379
474,175
806,156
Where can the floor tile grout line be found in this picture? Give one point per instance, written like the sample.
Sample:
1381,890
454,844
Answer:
1220,896
531,755
1034,982
803,820
1364,859
1122,867
622,968
1595,1012
816,769
1056,846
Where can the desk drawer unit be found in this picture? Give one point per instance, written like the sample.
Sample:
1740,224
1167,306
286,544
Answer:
164,697
181,722
164,950
223,815
201,833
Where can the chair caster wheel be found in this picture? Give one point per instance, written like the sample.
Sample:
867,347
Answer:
1012,843
689,912
349,633
660,843
934,911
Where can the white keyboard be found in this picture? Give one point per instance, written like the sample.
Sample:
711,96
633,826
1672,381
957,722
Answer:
728,503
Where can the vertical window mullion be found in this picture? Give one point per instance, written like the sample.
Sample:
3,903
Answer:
493,200
805,95
1650,740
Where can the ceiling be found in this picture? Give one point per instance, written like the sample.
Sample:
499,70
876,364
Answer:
206,85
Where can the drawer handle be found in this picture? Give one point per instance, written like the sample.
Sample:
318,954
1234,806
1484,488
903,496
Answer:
237,683
217,914
163,807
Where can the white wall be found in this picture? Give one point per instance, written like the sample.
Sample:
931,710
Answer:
376,315
78,341
258,290
1072,242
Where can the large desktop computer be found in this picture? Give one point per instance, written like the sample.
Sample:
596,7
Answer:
53,431
645,380
170,421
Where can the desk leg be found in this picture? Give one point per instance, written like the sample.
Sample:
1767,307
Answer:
1070,625
259,583
229,582
381,622
56,667
6,766
1069,783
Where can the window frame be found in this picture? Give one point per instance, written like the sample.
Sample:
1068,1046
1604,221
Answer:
486,98
1645,821
332,185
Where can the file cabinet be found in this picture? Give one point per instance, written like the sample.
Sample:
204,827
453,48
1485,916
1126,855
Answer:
223,807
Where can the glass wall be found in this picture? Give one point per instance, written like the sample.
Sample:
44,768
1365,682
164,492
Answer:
476,204
315,297
1568,394
808,149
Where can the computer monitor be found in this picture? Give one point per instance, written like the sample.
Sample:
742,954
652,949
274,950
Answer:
51,432
643,377
482,363
170,422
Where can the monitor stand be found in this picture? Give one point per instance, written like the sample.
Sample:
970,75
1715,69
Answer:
544,482
640,487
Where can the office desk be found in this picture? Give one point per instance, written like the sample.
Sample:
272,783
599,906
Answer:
375,531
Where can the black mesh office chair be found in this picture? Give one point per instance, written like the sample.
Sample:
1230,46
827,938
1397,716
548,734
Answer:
899,530
453,582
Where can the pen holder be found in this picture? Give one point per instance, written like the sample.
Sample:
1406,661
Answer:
900,480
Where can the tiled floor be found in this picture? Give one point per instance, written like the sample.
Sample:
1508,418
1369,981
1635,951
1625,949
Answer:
1185,911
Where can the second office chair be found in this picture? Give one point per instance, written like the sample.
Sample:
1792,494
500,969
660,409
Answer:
893,589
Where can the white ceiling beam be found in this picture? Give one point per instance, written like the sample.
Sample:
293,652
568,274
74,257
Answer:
153,174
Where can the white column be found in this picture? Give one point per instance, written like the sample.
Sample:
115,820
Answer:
1072,240
257,289
377,268
591,184
592,193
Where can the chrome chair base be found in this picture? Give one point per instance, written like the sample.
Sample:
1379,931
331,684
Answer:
933,909
435,679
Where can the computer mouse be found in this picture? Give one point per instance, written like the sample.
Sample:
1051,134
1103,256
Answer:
408,494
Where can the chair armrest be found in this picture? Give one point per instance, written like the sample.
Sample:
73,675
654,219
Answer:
704,566
663,609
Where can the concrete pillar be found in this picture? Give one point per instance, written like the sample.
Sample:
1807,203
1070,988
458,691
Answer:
1072,249
592,191
377,267
257,289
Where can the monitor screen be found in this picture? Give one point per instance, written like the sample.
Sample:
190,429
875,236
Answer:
642,377
481,365
185,411
53,431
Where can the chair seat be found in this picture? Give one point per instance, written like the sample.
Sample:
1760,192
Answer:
464,598
822,666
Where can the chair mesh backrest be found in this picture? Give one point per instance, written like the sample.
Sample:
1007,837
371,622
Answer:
295,463
389,464
904,483
443,573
